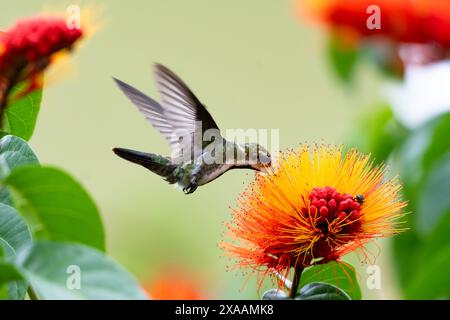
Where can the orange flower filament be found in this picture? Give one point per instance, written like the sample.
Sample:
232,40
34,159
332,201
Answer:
319,205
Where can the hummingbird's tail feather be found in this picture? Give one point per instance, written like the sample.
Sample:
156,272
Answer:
155,163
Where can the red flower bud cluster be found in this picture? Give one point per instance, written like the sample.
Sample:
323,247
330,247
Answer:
26,50
332,212
327,205
34,39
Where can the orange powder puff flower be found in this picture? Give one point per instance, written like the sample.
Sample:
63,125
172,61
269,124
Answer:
319,205
406,21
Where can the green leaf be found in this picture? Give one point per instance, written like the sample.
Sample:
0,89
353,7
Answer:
428,281
432,279
14,234
423,168
274,294
14,152
12,281
418,261
406,248
409,162
55,206
52,269
438,146
378,132
12,285
3,291
339,274
438,239
20,115
433,200
343,58
13,231
419,160
421,151
417,157
321,291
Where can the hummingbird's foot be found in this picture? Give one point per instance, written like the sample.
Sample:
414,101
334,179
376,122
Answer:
190,188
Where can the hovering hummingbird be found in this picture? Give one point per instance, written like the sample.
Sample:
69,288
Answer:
180,118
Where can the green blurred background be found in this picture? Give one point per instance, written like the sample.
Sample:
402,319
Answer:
253,63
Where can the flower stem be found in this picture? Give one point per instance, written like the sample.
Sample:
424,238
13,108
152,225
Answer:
32,294
296,281
4,90
8,79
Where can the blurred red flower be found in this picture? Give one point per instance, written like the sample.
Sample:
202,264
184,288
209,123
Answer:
27,48
35,39
405,21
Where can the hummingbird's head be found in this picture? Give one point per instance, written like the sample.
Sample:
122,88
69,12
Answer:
259,158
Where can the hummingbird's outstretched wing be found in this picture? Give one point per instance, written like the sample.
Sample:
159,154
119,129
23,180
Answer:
152,111
179,117
186,114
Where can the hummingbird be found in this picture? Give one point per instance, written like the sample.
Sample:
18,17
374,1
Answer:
181,118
